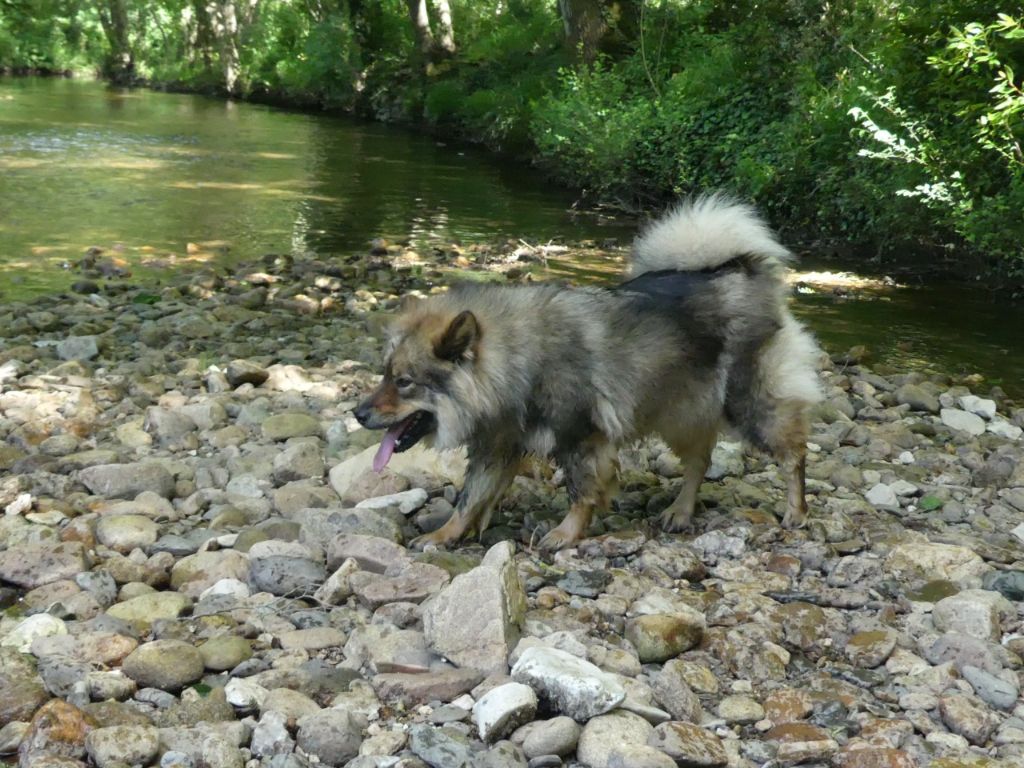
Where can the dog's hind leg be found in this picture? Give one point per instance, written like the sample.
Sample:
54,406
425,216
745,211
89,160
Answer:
696,458
786,438
796,501
590,472
776,412
487,479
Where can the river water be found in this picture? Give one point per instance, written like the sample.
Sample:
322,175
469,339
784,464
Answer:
163,179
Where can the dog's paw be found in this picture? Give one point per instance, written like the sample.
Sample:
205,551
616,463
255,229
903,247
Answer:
674,522
558,538
794,522
430,540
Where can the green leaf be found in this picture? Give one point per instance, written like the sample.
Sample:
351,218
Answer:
202,689
930,503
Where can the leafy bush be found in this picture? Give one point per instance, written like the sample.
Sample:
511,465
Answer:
443,101
894,127
48,35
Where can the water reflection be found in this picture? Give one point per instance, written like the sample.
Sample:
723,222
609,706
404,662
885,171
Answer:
87,165
145,174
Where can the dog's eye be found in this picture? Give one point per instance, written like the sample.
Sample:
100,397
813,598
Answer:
404,382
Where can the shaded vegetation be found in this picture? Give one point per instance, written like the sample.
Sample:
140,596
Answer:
885,126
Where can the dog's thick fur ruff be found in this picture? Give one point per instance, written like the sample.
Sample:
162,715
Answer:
699,338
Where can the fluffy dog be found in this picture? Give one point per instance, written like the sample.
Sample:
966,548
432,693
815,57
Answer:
698,338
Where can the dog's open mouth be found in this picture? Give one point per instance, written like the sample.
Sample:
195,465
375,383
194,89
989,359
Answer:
403,436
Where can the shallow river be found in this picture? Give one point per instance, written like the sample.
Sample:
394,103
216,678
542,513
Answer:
161,179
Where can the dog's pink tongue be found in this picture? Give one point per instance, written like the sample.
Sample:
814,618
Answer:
387,447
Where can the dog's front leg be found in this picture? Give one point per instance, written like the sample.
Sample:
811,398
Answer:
590,469
487,478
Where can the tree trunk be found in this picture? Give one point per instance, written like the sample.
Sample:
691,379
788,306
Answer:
225,30
205,40
446,38
421,26
114,20
593,27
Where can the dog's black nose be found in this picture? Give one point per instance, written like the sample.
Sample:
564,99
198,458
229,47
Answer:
362,412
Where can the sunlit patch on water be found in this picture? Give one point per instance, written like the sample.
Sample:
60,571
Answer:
839,282
139,175
21,163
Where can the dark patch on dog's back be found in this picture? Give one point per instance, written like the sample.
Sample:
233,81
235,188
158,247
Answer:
675,284
685,300
691,300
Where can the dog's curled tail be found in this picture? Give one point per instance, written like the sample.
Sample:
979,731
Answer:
705,233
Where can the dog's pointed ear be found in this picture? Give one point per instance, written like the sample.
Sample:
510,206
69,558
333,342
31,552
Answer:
458,342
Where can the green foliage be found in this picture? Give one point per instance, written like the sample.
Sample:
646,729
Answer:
507,63
959,154
443,101
894,127
48,35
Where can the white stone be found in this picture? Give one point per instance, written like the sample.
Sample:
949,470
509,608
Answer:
975,612
21,504
406,501
904,488
11,736
12,369
667,465
650,713
123,533
122,744
963,421
978,406
417,462
948,742
740,709
278,548
233,587
603,736
249,486
77,348
1003,428
903,662
883,497
503,709
49,517
1014,497
905,458
244,693
40,625
571,686
563,641
477,619
337,588
929,561
1019,531
726,459
270,736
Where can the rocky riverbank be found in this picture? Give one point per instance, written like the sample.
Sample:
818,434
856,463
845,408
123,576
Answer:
198,569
